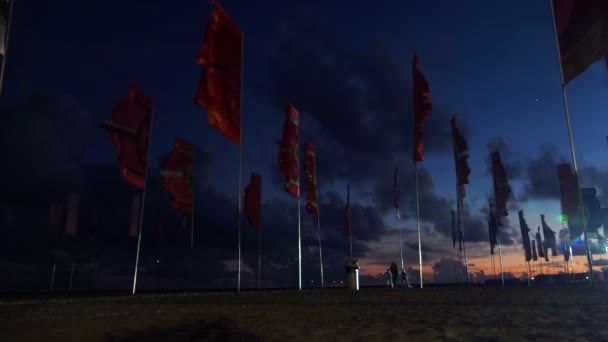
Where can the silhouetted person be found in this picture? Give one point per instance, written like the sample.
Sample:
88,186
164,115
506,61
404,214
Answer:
404,280
389,277
395,272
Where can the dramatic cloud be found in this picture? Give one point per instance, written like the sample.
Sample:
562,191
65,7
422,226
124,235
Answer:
540,174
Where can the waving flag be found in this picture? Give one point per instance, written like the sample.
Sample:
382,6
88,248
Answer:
502,189
422,108
310,170
253,200
219,90
288,152
177,176
525,230
129,130
461,156
550,239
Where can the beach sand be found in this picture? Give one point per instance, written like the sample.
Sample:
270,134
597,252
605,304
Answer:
575,313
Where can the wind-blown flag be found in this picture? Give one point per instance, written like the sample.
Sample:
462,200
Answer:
71,220
396,188
569,201
461,156
582,31
534,254
502,189
493,226
422,108
129,130
253,200
5,9
550,239
219,90
540,244
347,221
310,170
288,152
135,213
525,235
177,176
55,218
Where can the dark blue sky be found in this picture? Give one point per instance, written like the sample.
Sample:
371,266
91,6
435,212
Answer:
347,68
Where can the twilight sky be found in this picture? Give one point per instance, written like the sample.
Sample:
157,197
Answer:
347,68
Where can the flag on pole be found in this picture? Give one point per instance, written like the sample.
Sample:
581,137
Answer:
396,188
568,185
534,254
347,222
310,170
134,222
422,108
493,228
129,130
550,239
55,218
461,156
540,244
71,220
288,152
253,200
525,237
219,90
5,9
502,189
582,33
177,176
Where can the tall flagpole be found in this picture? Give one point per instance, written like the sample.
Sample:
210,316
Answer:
320,247
400,237
8,30
461,232
567,112
238,197
143,202
299,241
502,273
259,258
53,273
418,224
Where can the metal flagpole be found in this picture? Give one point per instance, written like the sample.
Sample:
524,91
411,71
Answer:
418,225
400,237
71,276
502,273
320,247
461,232
574,164
259,259
238,197
143,202
53,273
8,30
299,243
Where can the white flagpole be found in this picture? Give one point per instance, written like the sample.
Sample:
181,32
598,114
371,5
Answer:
502,273
299,243
574,164
400,237
143,201
238,197
418,224
320,247
461,232
8,30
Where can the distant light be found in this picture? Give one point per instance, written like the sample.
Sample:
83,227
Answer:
157,261
334,281
536,100
532,278
563,218
587,277
341,282
312,281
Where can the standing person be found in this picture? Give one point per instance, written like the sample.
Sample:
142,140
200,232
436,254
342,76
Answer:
404,280
389,277
395,272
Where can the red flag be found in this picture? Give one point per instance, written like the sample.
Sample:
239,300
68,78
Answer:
135,213
129,129
71,220
288,152
502,189
219,90
582,31
461,156
253,200
569,201
422,108
310,170
396,188
347,223
177,176
55,217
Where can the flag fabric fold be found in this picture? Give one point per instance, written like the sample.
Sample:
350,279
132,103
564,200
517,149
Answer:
461,155
502,189
540,244
534,254
310,170
493,228
550,238
289,164
525,237
582,33
129,130
219,90
177,176
253,200
347,218
422,108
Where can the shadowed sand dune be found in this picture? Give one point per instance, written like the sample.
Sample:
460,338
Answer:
431,314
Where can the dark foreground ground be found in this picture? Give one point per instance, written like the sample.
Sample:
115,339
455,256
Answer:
431,314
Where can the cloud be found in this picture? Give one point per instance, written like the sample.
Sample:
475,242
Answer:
540,174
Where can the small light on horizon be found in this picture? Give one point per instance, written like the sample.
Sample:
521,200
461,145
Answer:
157,261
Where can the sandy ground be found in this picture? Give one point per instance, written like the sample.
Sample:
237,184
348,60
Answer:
431,314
